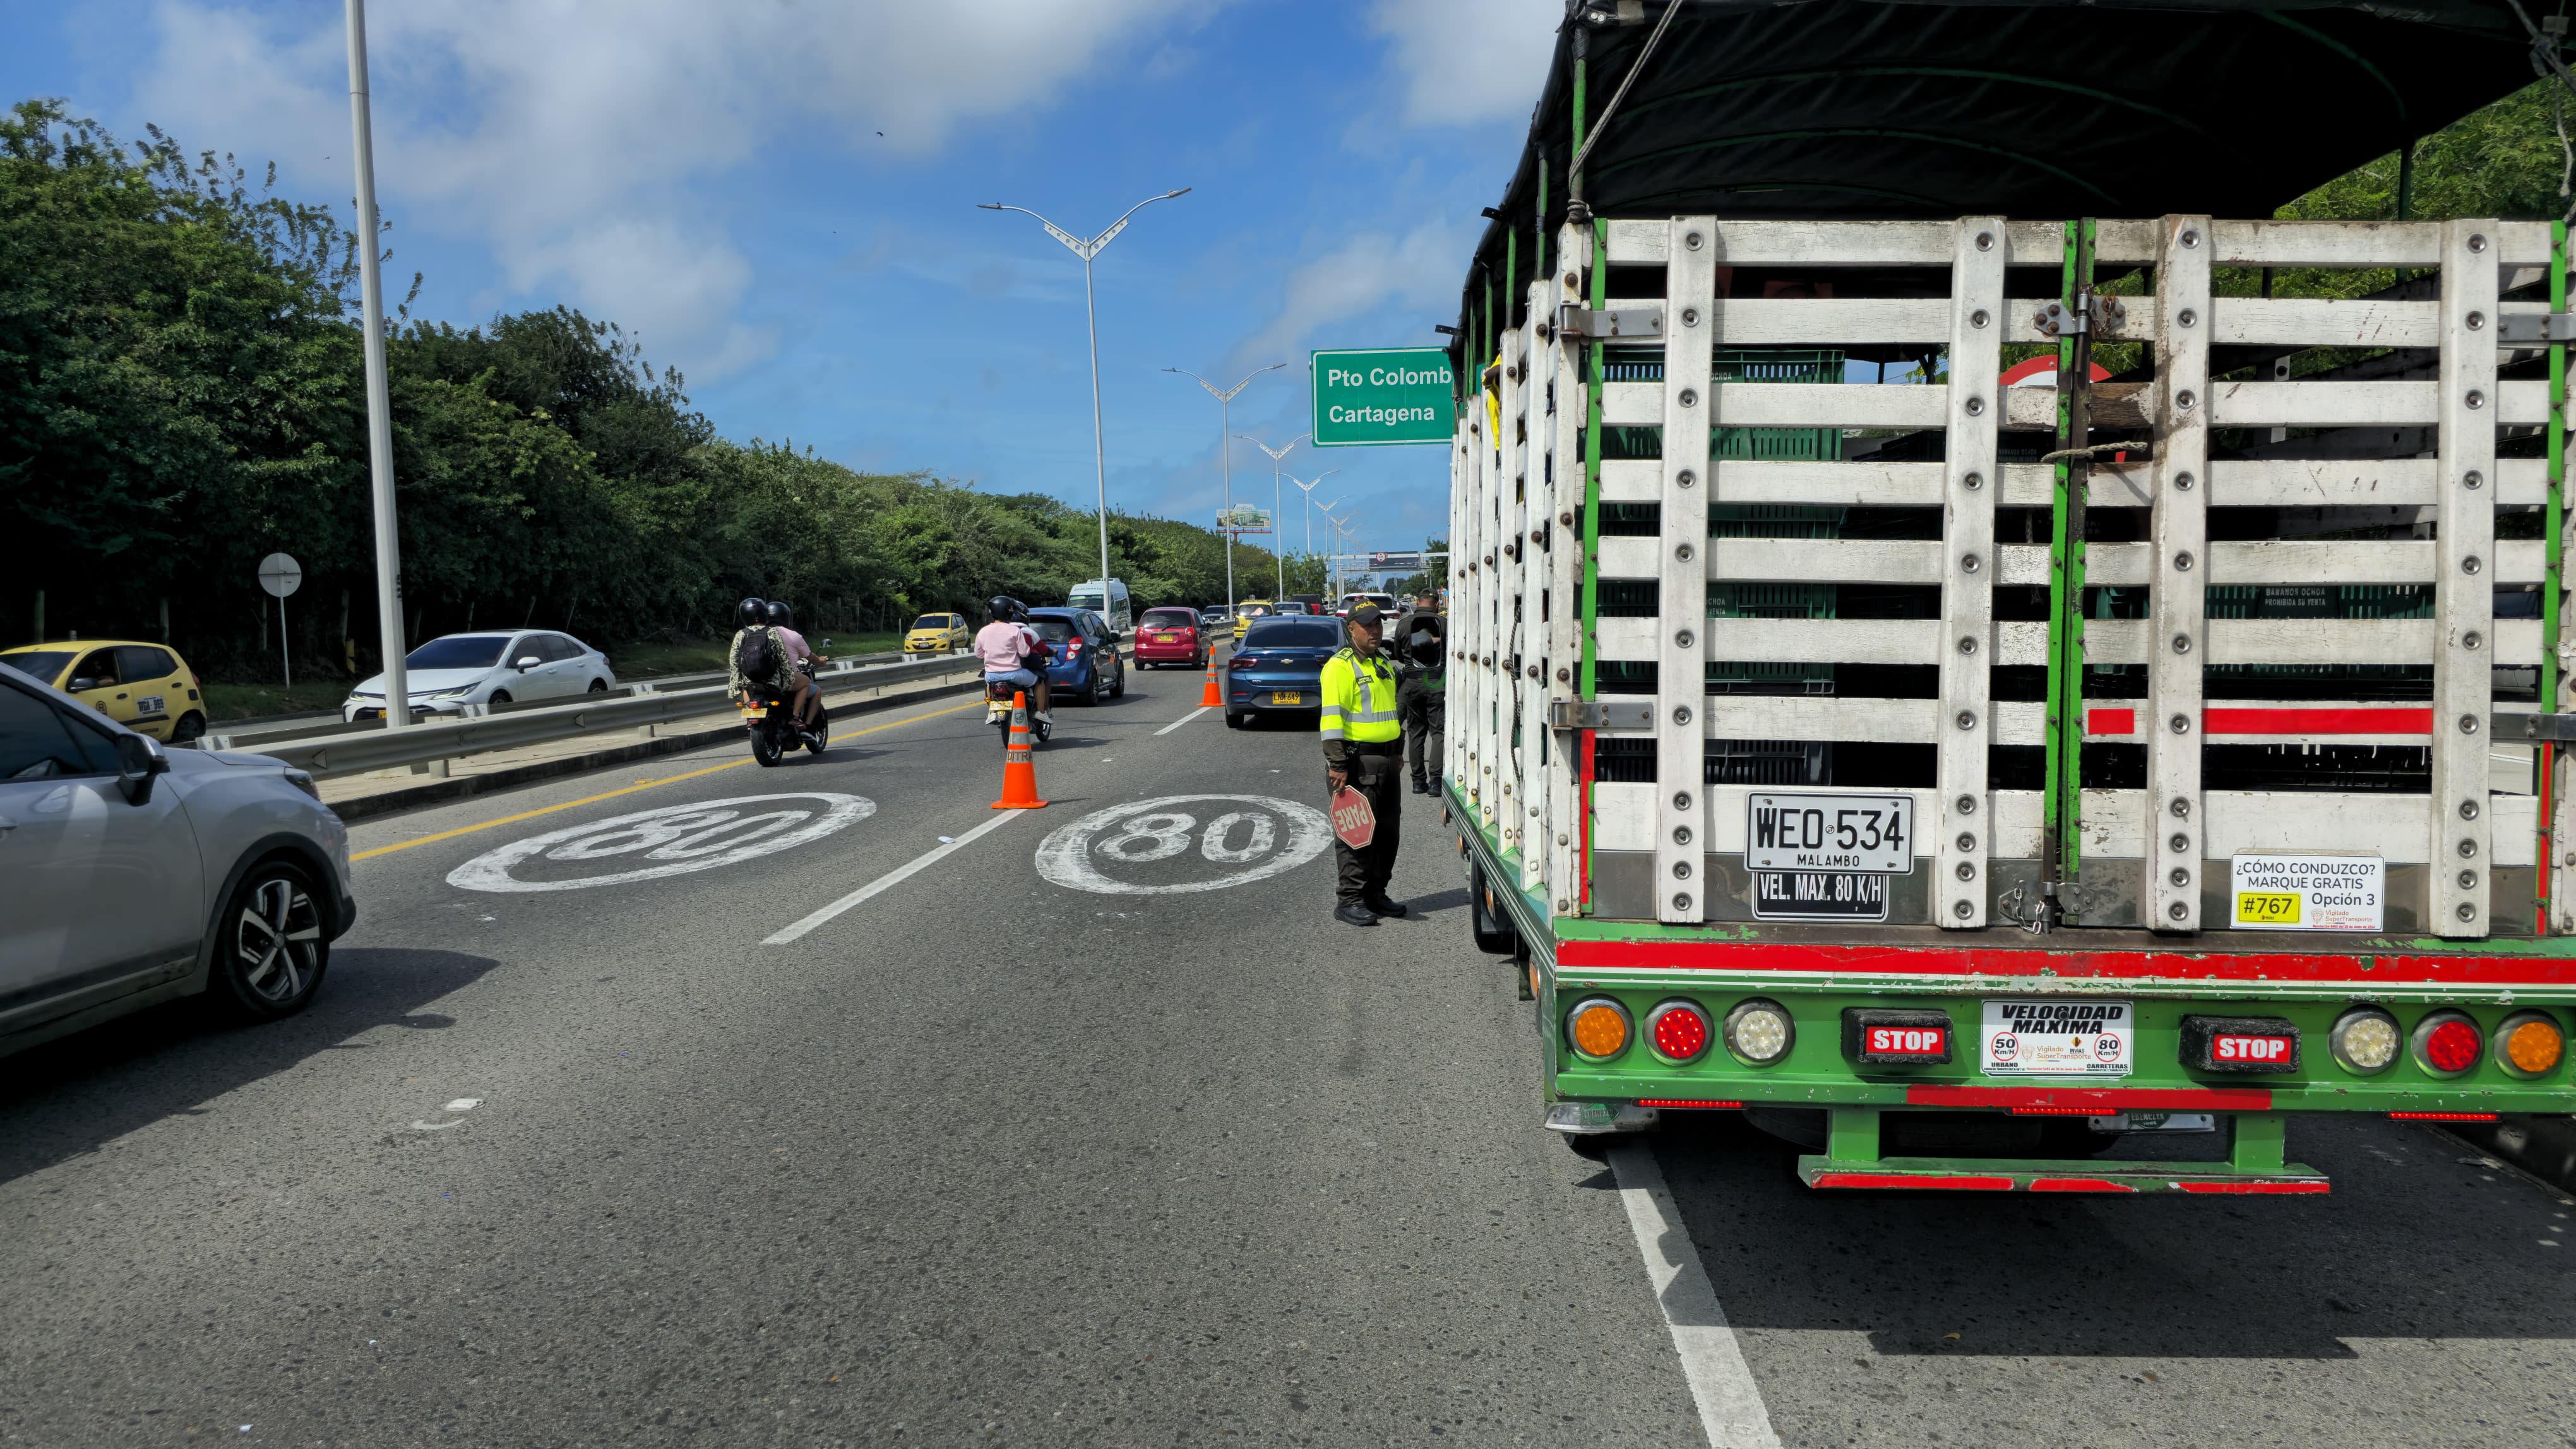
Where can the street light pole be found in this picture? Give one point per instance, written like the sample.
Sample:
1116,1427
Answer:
1091,316
1225,453
1307,486
1278,525
380,422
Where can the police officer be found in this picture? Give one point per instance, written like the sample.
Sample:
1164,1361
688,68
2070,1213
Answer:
1422,672
1362,742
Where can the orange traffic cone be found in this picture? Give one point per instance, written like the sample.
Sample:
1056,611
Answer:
1209,697
1019,774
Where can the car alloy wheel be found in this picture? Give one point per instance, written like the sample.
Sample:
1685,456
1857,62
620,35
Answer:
271,952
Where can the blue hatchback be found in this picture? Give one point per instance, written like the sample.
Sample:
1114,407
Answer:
1083,666
1275,668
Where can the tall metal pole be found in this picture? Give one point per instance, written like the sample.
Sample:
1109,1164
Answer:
1099,439
380,418
1278,525
1225,450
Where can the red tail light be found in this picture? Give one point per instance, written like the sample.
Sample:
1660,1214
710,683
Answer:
1679,1031
2449,1043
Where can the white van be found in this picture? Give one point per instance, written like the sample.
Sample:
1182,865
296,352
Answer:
1113,606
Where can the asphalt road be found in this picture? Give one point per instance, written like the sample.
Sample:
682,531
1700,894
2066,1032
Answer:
1093,1131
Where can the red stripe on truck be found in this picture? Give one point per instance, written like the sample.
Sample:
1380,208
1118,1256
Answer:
2116,1099
1790,958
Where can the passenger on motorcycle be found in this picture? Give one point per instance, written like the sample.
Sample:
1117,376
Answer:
1007,644
802,655
758,659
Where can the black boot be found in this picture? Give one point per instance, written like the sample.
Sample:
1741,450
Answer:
1381,905
1351,913
1421,786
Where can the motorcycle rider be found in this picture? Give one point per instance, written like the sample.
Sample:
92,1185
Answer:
802,655
753,615
1007,644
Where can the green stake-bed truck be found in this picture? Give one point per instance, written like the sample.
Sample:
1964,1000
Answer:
1969,631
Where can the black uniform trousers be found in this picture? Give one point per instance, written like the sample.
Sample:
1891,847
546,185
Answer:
1423,711
1364,873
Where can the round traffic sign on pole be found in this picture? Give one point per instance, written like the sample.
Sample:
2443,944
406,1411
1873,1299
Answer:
280,574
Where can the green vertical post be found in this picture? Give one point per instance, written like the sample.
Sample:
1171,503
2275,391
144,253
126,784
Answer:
1511,277
2074,476
2055,806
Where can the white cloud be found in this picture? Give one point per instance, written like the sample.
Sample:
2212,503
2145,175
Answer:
1469,61
568,135
1418,272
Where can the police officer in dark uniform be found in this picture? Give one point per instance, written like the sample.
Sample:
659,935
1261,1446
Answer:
1362,743
1421,675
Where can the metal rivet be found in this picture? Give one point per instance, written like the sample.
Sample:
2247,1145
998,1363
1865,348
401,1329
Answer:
2473,479
1963,910
1693,240
1967,646
1973,481
2182,561
2468,724
2190,238
2184,399
1572,281
2181,808
1985,241
1690,397
2467,912
2468,850
2180,724
2179,843
1967,841
1563,676
1968,563
1684,552
1966,804
2477,241
2468,880
1565,519
2183,481
1681,902
2178,911
1561,902
2182,643
1686,477
1976,407
1681,835
1682,639
2477,320
1681,714
2187,317
1681,870
2475,399
1681,799
2468,810
2180,876
1967,719
1979,318
1967,870
1690,316
2472,639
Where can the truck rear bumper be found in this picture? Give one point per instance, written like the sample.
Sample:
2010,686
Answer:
2004,1175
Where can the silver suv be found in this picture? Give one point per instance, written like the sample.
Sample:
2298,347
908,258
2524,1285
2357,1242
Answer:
130,875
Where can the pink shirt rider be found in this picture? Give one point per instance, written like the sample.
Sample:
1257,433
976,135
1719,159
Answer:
1001,646
797,650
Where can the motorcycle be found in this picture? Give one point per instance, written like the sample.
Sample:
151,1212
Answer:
997,712
770,719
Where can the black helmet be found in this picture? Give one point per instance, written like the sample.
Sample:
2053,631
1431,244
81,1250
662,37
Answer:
1005,608
780,615
751,613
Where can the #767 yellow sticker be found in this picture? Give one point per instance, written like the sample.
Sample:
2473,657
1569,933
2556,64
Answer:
2268,908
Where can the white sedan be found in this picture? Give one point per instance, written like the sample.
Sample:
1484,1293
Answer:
455,670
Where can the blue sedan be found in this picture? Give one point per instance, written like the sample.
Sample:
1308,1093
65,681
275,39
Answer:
1274,669
1083,666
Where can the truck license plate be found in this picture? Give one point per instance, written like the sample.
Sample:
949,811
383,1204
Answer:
1819,895
1829,833
2060,1037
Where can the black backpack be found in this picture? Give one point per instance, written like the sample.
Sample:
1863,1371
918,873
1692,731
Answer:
754,658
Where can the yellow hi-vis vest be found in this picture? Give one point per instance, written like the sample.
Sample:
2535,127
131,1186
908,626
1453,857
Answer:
1359,699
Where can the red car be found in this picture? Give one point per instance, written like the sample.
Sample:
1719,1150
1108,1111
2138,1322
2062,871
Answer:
1171,636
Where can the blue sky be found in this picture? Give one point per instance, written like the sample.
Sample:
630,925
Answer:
711,176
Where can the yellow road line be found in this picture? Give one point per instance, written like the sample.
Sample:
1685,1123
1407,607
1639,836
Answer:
631,789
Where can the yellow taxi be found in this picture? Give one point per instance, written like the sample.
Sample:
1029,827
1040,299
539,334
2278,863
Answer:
937,634
1249,610
147,688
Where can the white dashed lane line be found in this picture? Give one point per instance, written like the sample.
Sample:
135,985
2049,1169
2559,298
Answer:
894,877
1184,719
1730,1405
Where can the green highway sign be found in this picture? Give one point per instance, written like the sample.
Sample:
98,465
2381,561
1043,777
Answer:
1375,396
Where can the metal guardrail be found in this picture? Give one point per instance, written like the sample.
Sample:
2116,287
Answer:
259,738
373,747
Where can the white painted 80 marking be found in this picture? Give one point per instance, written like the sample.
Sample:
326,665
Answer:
678,839
1265,835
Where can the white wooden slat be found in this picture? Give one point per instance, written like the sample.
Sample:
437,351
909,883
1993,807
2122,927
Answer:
2459,808
1537,513
2321,322
2518,403
1632,480
2359,482
1565,569
1855,485
1468,675
1867,321
1857,718
2179,532
1623,815
2030,408
2512,561
2369,244
2106,641
1689,399
1967,591
1785,405
1512,760
1810,641
1453,721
